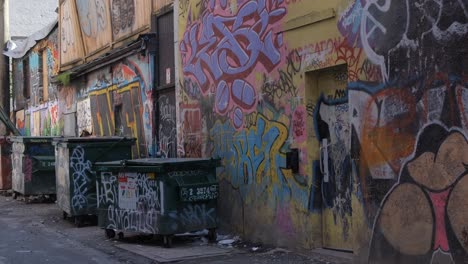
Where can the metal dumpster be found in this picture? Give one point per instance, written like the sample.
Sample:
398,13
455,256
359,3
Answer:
33,166
76,181
5,163
158,196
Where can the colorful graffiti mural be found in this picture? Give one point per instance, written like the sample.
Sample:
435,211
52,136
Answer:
415,110
420,219
252,82
221,56
118,112
121,98
36,112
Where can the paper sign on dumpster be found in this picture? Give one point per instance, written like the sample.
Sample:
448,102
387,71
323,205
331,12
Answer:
127,191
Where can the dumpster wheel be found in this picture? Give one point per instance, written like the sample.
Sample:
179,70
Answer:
212,235
167,241
110,233
79,221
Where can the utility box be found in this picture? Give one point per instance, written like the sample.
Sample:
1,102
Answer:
33,166
158,196
5,163
76,181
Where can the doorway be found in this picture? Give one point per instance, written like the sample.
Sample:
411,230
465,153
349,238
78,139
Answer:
333,140
165,97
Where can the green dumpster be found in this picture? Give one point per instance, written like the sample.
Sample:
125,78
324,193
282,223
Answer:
158,196
76,181
33,166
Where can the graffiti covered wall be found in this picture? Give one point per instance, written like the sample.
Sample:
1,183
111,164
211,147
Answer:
117,102
374,108
35,97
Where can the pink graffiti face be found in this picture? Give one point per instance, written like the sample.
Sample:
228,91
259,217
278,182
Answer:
221,51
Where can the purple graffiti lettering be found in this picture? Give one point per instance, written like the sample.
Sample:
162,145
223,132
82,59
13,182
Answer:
222,50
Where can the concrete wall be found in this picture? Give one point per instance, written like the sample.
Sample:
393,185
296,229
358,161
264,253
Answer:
29,16
371,93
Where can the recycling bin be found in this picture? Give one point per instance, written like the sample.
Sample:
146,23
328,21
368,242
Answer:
33,166
75,179
158,196
5,163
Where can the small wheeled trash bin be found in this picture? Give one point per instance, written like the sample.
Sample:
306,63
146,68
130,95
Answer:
158,196
75,180
5,163
33,166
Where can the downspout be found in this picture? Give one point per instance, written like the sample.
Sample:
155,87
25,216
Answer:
4,67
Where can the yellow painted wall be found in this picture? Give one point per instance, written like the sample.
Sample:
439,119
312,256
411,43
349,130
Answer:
255,71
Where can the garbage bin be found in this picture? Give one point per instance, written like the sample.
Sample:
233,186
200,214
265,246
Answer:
5,163
158,196
33,166
75,181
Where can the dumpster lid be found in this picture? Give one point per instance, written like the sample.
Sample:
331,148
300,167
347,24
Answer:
92,139
28,139
156,161
45,158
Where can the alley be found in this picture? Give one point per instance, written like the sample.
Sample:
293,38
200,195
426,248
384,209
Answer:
36,233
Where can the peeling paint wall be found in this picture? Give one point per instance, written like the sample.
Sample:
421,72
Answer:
371,93
116,101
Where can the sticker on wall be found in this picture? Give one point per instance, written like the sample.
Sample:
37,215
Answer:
168,75
84,118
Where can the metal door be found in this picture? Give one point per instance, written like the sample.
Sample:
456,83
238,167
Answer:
333,128
165,100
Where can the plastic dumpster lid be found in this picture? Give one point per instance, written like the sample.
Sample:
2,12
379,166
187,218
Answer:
32,139
93,139
157,161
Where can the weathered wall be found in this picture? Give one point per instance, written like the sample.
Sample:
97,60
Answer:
90,28
116,100
38,115
378,85
409,127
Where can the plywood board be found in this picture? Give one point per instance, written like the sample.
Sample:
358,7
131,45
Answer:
129,17
71,44
95,23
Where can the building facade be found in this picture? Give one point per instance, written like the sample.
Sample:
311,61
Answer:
341,124
35,101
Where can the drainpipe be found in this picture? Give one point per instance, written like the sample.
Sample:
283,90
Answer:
4,62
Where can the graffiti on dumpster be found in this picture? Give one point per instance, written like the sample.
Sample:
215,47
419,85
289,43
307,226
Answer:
107,190
80,167
132,201
194,216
